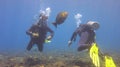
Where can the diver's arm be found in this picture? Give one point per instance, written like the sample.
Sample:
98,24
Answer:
73,38
51,33
77,31
29,32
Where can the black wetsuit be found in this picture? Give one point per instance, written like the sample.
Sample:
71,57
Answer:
87,36
41,28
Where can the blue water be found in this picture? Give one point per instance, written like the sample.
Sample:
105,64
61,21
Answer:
16,16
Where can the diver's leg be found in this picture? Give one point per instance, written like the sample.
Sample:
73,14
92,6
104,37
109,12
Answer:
31,43
81,48
101,54
40,46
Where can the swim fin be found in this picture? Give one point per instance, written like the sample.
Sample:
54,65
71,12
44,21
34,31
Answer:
94,55
109,62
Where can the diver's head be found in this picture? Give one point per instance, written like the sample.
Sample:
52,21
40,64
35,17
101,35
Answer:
43,16
43,20
94,25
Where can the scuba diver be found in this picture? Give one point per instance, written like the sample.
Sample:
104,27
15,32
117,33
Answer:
38,33
87,40
86,33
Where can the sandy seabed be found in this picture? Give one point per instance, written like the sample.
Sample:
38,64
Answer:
50,59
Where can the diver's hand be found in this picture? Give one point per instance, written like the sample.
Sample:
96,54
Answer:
47,41
69,43
35,34
49,37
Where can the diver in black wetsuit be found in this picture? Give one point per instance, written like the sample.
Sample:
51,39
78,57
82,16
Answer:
86,33
38,33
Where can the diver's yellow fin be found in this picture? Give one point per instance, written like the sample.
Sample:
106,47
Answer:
109,62
94,55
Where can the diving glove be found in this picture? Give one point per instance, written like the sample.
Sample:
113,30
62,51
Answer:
47,41
49,37
69,43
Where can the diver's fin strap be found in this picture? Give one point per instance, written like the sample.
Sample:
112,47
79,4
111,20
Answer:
109,62
94,55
